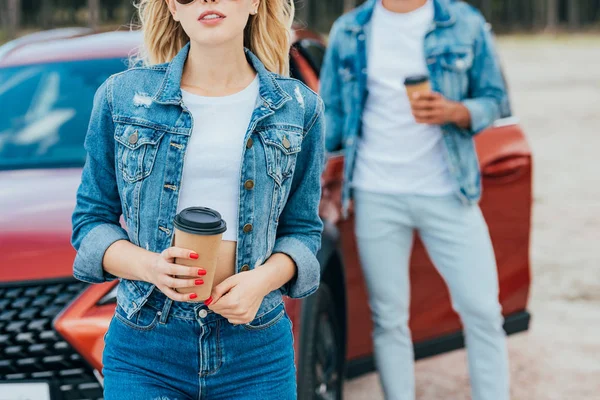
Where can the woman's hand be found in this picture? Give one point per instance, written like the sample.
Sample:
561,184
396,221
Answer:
239,297
162,273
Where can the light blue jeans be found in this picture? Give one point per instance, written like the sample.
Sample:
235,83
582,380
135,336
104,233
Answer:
458,242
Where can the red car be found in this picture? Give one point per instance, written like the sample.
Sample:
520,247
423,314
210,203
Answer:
52,326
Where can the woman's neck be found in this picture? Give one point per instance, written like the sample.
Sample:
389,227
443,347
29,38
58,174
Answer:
216,70
403,6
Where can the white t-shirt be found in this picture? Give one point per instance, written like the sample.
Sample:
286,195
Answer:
395,154
211,171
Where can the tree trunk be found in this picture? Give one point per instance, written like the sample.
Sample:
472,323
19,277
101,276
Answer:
46,14
94,13
486,9
539,14
574,15
552,15
349,5
14,18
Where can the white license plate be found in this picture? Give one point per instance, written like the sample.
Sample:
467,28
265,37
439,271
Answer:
25,391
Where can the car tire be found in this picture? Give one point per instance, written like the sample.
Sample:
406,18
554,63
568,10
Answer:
321,366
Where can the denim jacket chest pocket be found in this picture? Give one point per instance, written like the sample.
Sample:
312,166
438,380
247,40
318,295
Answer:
137,147
453,65
282,146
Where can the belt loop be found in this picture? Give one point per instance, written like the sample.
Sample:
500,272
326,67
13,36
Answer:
165,311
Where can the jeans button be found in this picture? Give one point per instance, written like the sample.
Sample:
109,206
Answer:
247,228
245,268
249,184
202,313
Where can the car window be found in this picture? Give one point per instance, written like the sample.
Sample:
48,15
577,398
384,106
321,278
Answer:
46,110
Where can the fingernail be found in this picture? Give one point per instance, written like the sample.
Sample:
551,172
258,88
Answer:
193,296
199,282
201,272
208,301
194,256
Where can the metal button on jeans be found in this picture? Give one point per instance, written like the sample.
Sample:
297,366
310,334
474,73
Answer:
133,138
245,268
247,228
249,184
202,313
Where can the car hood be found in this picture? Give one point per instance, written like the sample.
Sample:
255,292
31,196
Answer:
35,223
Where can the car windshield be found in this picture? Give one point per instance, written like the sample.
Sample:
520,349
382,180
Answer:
45,111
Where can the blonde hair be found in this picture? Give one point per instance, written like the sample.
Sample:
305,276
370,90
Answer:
267,33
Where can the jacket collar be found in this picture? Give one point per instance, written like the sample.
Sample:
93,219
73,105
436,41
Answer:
443,16
271,93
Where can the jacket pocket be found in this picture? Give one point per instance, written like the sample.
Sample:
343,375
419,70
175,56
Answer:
460,60
281,149
137,147
452,68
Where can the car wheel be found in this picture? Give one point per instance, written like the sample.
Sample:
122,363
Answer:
321,349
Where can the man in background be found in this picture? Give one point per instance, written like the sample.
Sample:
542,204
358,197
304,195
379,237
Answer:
411,166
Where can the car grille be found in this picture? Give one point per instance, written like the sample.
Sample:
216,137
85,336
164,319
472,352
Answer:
31,349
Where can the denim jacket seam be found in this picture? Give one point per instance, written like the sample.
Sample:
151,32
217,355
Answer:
289,79
109,95
316,114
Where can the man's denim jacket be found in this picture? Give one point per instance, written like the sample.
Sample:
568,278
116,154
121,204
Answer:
462,65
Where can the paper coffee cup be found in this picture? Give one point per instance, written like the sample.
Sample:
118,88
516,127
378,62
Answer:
417,84
200,229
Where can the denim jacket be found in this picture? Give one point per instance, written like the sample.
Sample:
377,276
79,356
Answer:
136,144
462,66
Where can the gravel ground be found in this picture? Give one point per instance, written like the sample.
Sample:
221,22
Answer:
555,86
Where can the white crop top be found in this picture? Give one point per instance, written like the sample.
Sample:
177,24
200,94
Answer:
211,171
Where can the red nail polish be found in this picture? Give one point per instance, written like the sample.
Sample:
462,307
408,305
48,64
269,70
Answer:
193,296
208,301
199,282
201,272
194,256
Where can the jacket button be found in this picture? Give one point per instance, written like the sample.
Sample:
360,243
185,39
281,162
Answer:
286,142
245,268
249,184
249,143
133,138
247,228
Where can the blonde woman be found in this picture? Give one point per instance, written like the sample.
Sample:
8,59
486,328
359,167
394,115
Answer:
211,119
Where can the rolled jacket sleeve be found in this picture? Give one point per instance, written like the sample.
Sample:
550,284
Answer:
96,218
330,92
300,227
487,92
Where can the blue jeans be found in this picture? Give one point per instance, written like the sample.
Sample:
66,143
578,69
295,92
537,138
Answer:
171,350
458,242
